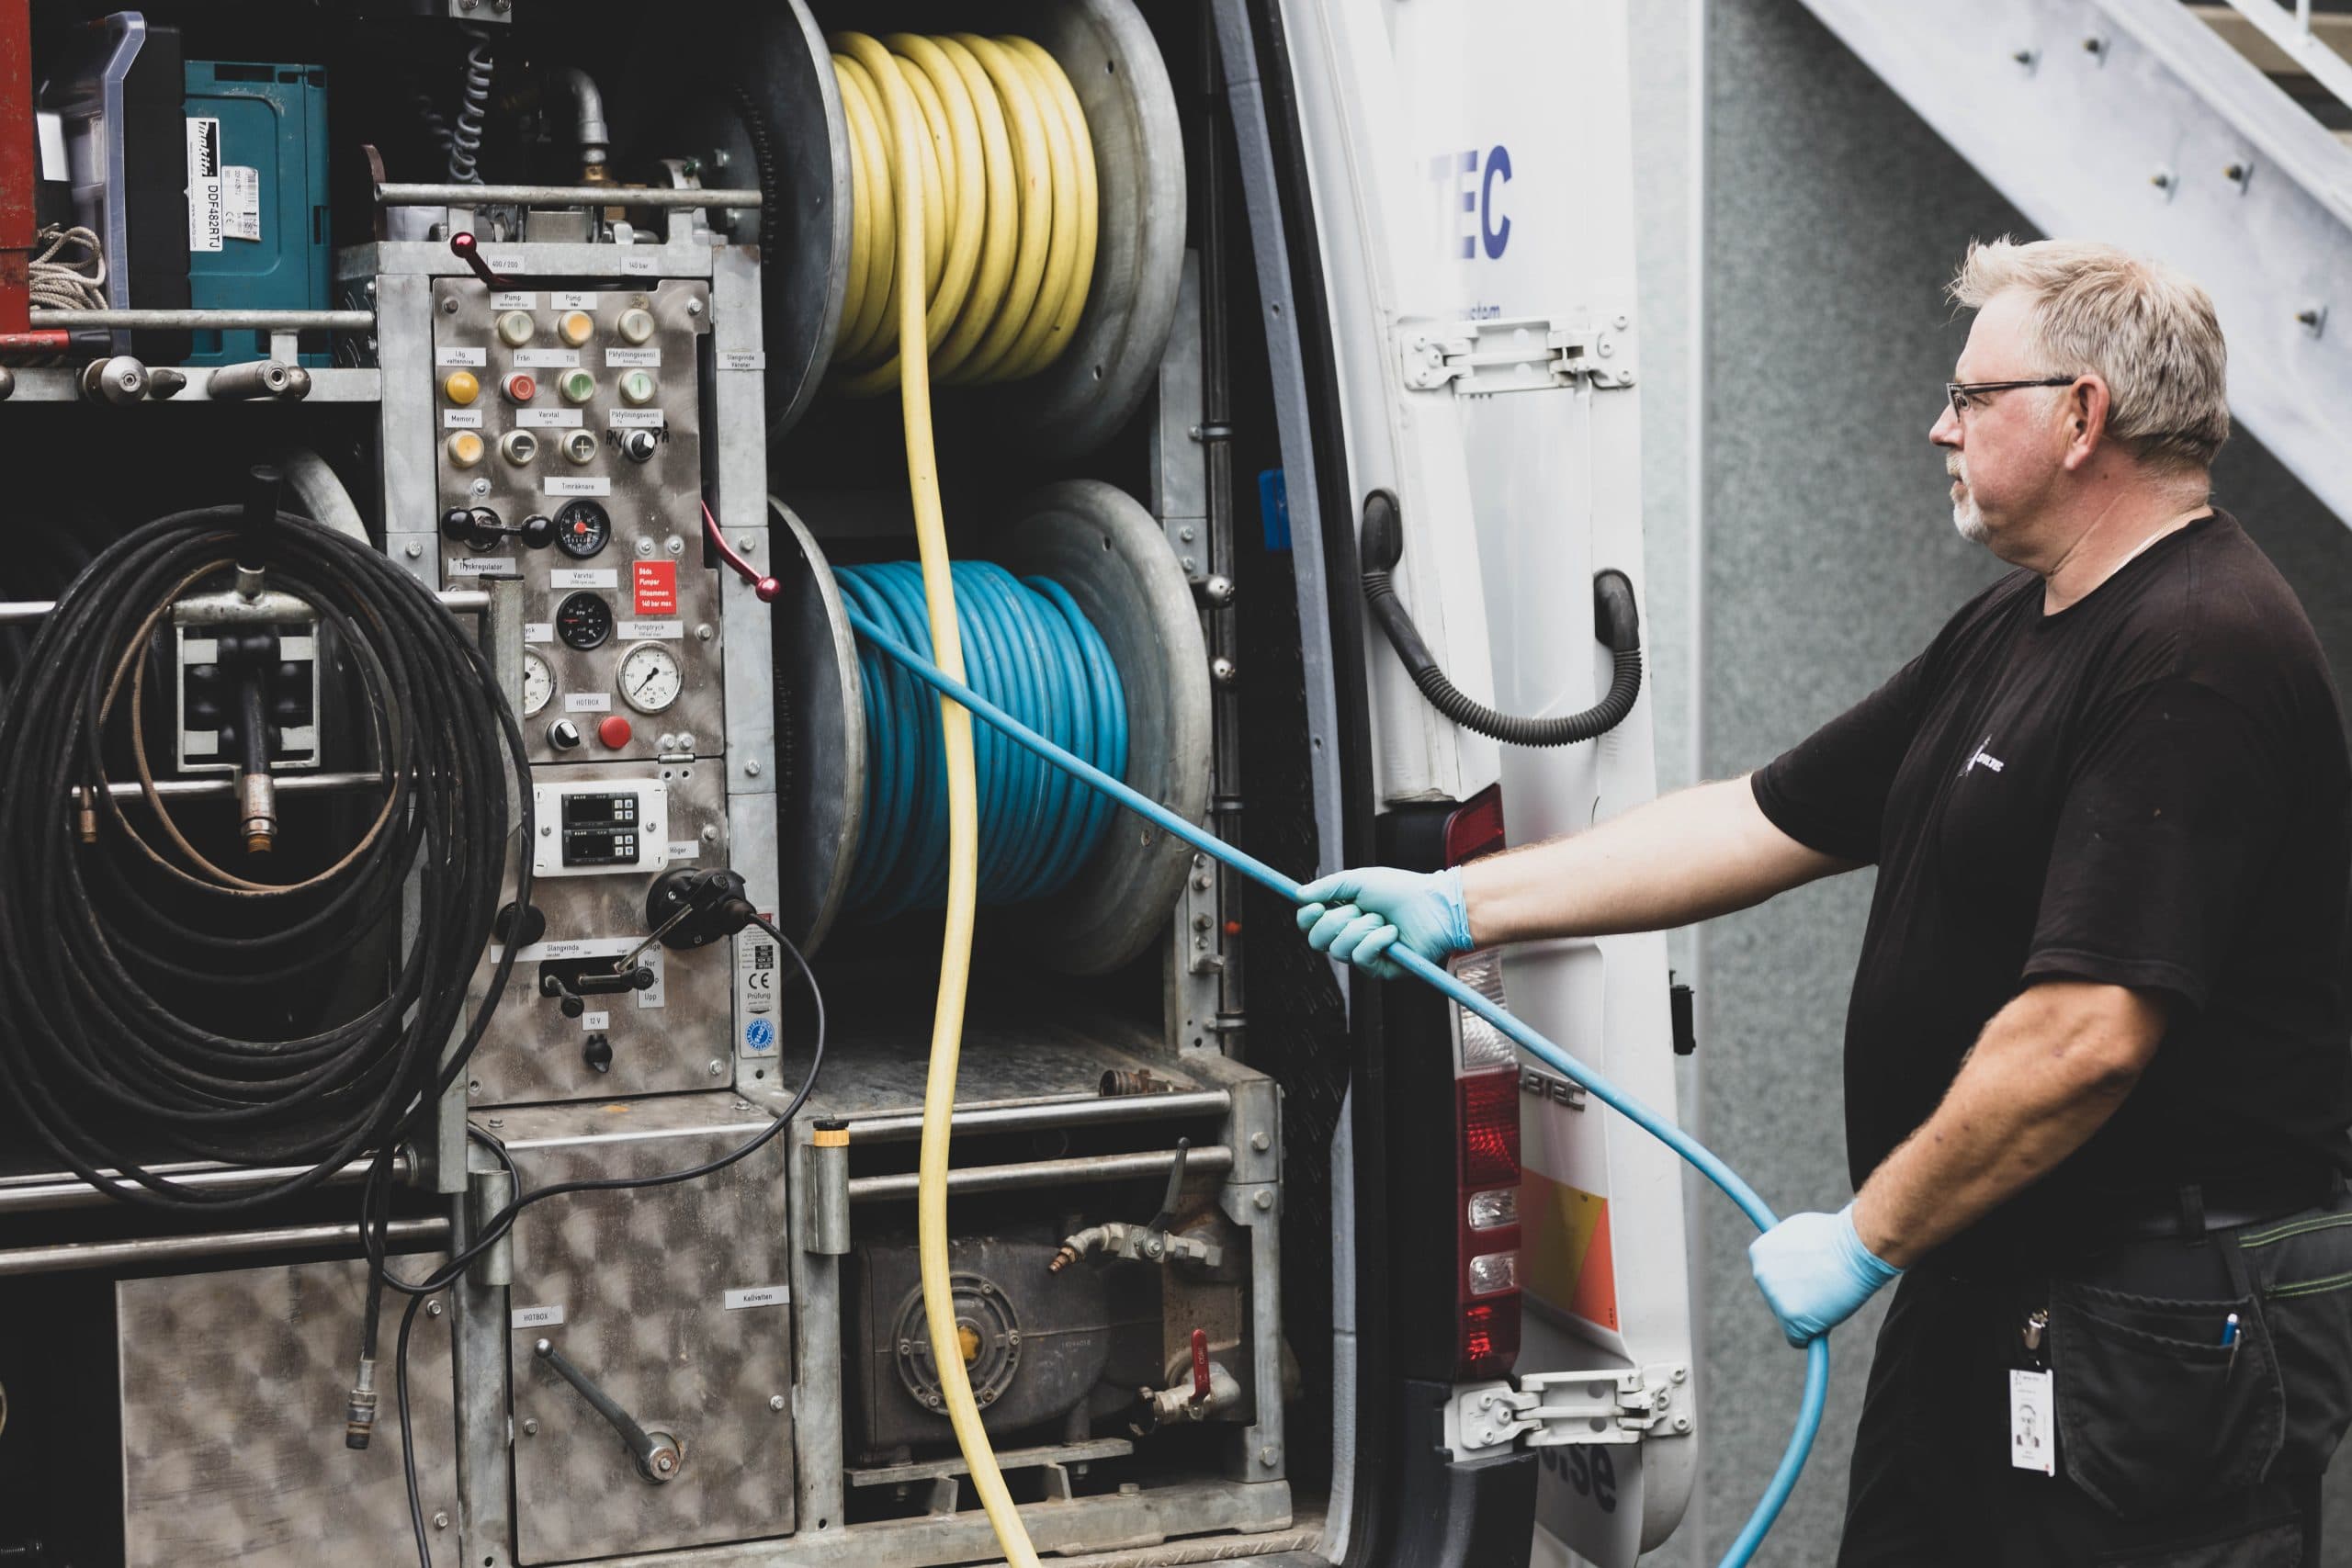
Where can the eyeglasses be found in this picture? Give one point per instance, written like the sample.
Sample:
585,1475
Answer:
1959,392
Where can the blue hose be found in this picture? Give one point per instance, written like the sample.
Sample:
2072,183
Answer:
1028,646
1816,1369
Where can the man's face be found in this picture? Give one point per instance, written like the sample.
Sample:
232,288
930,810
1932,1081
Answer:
2003,451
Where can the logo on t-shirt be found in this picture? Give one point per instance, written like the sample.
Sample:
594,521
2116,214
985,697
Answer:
1983,756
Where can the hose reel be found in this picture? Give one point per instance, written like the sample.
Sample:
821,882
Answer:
1106,573
812,147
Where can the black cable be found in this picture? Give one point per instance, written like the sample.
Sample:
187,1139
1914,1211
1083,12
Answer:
106,1065
1615,618
496,1227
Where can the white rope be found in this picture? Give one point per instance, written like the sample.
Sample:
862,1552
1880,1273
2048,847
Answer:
65,286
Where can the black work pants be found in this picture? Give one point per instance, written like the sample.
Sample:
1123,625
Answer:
1933,1483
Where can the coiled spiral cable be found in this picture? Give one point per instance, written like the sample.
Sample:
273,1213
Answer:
112,923
1028,646
1007,181
473,107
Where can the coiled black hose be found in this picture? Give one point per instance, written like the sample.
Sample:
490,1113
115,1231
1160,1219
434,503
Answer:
1615,618
112,922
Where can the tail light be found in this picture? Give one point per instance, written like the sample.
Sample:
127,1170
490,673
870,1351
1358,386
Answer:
1487,1124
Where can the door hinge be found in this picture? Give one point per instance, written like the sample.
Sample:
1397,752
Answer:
1554,1409
1521,355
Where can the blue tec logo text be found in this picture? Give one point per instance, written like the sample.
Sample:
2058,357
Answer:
1470,186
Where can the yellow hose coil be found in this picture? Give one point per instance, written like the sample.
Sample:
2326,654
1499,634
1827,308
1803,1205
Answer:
1001,163
972,228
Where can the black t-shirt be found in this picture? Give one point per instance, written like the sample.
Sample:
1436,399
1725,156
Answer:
2150,789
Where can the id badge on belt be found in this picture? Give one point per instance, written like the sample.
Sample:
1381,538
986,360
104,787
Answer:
2033,1407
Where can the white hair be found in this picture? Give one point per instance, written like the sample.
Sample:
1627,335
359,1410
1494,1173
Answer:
2143,328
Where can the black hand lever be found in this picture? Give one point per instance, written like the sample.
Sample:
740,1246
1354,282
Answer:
1167,1215
481,528
657,1454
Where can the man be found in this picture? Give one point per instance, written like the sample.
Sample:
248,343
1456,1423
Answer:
2096,1071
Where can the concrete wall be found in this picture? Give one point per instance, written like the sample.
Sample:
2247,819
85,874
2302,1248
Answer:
1823,557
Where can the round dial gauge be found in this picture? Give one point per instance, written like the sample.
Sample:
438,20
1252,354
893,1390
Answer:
649,677
583,621
582,529
538,683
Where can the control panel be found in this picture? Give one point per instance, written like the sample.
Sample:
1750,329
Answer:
571,457
569,426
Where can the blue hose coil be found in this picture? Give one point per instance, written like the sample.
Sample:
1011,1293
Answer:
880,635
1027,647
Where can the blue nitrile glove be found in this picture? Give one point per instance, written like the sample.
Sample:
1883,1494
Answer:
1815,1273
1354,916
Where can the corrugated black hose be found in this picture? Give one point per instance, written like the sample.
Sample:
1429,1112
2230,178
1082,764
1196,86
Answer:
1614,619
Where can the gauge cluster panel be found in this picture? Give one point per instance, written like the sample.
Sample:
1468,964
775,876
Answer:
571,457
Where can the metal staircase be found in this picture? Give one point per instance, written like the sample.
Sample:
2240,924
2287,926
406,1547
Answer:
2216,136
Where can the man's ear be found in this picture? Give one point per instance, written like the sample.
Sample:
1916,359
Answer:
2086,408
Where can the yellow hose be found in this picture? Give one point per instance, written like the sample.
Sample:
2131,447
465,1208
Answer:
972,231
986,136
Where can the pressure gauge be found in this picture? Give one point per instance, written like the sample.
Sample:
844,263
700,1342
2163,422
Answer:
649,677
582,529
538,683
583,621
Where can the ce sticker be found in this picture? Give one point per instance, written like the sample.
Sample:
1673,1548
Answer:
759,990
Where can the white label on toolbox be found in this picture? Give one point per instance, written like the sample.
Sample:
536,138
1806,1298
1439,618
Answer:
743,359
538,631
758,1296
450,356
587,701
633,419
651,631
484,565
546,419
461,419
206,219
755,970
240,202
546,358
686,849
632,358
521,299
574,301
577,487
592,1022
640,267
585,577
538,1317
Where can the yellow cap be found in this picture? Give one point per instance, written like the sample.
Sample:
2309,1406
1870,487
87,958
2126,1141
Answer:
461,388
576,327
465,447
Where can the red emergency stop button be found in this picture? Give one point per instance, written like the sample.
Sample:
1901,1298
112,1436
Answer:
614,731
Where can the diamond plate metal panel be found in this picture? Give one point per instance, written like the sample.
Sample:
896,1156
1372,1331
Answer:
234,1387
670,1300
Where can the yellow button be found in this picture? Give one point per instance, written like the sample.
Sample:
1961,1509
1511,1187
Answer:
465,447
461,388
515,328
576,327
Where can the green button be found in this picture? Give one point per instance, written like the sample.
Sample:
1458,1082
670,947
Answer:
577,386
637,388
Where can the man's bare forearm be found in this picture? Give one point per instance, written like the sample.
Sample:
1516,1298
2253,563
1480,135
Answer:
1696,853
2046,1074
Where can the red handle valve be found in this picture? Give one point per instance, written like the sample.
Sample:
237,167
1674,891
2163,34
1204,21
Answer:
463,247
764,589
1200,1365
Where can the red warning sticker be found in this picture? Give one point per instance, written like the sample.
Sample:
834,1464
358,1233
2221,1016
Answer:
655,584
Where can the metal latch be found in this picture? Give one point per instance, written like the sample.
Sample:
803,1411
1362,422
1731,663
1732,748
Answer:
1555,1409
1521,355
